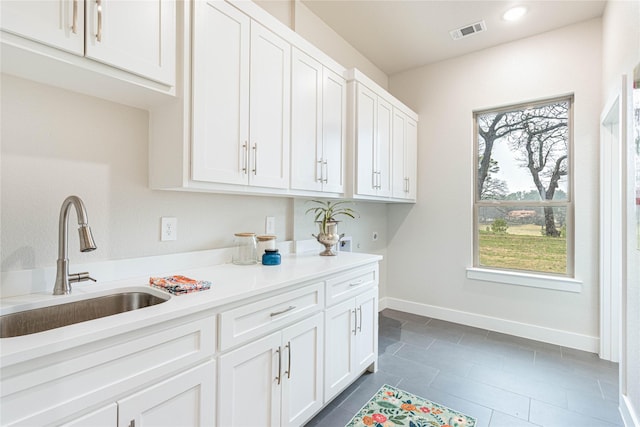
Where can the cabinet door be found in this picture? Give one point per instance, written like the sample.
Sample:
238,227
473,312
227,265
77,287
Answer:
399,184
366,336
303,374
57,23
269,108
334,101
220,91
306,130
249,384
136,36
411,159
340,330
366,168
186,399
384,116
405,152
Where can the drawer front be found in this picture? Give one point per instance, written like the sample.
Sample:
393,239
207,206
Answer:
253,320
351,283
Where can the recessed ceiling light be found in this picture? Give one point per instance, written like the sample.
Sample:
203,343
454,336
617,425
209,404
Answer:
514,13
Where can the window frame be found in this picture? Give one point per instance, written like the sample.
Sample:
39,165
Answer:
517,276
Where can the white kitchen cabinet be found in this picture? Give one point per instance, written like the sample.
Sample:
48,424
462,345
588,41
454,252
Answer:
186,399
318,126
405,153
277,378
136,36
373,127
241,101
351,340
146,373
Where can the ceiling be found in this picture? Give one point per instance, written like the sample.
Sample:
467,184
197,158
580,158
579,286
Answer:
397,35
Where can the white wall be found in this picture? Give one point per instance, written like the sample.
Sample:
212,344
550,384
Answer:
431,244
621,54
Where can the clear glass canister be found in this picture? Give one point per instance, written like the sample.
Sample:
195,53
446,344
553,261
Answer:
265,242
245,251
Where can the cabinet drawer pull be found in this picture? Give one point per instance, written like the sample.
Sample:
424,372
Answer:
277,313
288,346
356,282
99,34
321,174
74,24
360,323
279,352
325,173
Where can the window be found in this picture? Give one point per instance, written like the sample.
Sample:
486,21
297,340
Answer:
523,209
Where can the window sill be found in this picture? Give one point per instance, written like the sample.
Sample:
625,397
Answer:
556,283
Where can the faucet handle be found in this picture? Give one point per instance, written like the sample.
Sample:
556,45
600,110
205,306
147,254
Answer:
80,277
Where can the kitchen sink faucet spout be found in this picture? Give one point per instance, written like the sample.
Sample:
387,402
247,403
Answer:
87,244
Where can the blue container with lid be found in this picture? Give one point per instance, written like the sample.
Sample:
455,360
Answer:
271,257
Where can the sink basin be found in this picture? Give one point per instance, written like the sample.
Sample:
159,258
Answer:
42,319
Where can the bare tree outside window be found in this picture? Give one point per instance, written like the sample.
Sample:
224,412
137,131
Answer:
522,184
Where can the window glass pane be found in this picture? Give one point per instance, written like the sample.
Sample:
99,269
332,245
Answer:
523,153
532,238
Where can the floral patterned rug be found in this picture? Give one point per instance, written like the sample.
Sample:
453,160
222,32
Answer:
391,407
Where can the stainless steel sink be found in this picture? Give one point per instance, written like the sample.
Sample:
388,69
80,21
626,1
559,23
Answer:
55,316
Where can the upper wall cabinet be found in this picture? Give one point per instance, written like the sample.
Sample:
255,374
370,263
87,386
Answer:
233,129
241,102
318,126
383,136
137,37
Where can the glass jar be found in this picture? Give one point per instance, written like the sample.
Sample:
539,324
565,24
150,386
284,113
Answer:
265,242
245,250
271,257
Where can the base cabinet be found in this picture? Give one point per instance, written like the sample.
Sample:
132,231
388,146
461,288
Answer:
351,340
184,399
279,377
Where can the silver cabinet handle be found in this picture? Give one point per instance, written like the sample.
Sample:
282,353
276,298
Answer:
74,24
288,372
326,172
321,179
245,155
279,352
255,159
356,282
360,325
355,319
99,34
277,313
132,423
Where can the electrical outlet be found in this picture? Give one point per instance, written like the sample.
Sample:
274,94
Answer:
168,228
270,225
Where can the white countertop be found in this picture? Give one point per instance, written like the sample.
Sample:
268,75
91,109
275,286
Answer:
230,284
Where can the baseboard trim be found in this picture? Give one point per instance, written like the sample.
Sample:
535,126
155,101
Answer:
628,413
519,329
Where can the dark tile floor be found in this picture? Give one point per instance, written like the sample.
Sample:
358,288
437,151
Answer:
501,380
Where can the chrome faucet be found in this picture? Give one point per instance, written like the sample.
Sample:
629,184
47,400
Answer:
63,278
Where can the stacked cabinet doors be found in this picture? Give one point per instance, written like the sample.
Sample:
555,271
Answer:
275,380
318,131
241,99
351,323
373,127
136,36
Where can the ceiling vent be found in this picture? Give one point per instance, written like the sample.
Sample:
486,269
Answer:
468,30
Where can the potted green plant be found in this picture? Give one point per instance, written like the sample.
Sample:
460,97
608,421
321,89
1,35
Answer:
326,214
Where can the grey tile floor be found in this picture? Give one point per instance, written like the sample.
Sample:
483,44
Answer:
501,380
